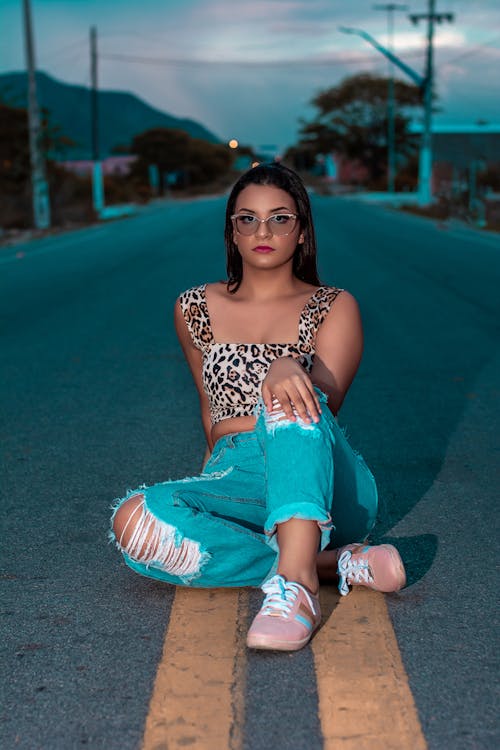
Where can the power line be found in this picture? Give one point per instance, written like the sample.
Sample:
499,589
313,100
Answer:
308,62
184,62
66,47
474,51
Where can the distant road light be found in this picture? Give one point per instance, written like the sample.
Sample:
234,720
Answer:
255,163
233,143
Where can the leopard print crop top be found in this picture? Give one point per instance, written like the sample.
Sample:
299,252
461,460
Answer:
232,373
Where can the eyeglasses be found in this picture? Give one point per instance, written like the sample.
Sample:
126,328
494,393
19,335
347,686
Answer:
278,224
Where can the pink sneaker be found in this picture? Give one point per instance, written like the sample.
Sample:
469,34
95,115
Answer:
379,568
287,619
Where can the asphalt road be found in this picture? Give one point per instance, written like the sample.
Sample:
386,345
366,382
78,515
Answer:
96,398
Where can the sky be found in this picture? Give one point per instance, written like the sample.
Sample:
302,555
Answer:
248,69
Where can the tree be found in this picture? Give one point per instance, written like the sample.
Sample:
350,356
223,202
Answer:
14,147
165,147
66,190
207,161
302,156
15,204
196,161
352,121
53,141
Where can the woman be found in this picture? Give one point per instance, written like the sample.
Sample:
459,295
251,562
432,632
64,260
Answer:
272,353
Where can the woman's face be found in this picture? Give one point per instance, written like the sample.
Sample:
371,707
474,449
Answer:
265,248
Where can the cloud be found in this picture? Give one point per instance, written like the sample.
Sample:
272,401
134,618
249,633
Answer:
445,37
260,11
294,47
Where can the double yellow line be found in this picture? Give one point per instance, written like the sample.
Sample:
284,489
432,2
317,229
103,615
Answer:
365,702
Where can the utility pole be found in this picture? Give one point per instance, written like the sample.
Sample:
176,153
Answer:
425,166
424,83
391,126
93,94
97,182
39,186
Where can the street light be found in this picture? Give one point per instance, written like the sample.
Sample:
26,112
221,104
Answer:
416,77
391,125
424,170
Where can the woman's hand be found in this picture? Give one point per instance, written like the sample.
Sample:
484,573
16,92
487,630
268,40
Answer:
288,382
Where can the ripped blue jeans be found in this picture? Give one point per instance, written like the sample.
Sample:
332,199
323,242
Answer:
219,528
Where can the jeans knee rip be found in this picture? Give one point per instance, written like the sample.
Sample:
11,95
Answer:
158,544
276,420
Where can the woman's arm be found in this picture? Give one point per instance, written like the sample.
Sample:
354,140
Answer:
194,360
339,345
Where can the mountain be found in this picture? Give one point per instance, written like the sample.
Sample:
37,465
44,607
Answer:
121,115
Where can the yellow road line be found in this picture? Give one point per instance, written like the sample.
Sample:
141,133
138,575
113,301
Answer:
365,702
197,699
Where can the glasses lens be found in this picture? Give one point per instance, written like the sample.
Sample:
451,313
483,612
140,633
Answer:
246,224
278,224
281,223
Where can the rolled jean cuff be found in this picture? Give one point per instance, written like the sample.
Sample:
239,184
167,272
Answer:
303,511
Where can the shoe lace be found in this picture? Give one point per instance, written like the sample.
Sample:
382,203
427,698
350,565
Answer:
352,571
280,596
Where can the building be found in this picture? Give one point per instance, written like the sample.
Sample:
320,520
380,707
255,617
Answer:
459,152
118,166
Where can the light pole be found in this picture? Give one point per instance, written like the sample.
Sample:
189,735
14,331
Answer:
425,161
391,126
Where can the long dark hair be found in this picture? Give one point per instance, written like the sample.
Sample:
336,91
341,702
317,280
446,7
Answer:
277,175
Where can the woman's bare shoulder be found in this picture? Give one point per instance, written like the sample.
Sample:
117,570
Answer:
343,305
217,287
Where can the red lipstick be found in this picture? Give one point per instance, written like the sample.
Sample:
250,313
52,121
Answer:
263,249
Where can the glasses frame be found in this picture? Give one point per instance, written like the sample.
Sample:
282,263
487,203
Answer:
265,221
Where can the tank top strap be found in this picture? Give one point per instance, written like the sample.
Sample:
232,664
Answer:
195,311
315,311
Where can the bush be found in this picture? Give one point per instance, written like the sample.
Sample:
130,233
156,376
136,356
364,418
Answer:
70,196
